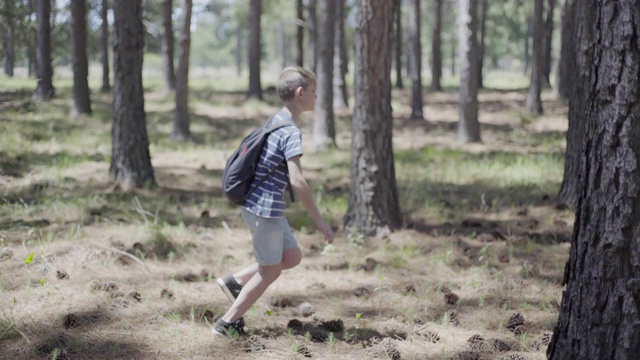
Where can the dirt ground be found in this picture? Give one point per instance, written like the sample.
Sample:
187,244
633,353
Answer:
90,272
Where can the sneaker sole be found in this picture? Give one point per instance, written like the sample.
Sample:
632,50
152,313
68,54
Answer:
226,290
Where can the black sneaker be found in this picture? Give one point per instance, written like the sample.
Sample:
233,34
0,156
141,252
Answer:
233,330
230,287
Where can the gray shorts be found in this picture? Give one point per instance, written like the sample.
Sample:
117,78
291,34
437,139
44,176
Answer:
271,237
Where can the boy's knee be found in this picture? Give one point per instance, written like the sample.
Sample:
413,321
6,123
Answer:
270,272
291,258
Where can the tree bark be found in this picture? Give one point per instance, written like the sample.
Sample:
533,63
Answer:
81,99
324,133
436,47
181,117
416,60
130,159
547,42
397,42
468,124
600,309
527,46
238,52
104,42
340,62
567,57
44,89
300,33
255,13
9,38
453,56
373,201
534,102
312,24
168,46
483,29
32,36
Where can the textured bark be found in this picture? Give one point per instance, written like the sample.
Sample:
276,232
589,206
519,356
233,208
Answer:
168,46
300,33
8,43
534,102
255,13
415,57
483,29
130,159
340,61
373,200
600,309
44,89
312,25
32,44
468,125
567,57
81,98
324,133
104,42
547,42
181,116
397,42
527,46
436,47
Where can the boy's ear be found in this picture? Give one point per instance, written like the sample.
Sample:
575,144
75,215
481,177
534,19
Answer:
299,91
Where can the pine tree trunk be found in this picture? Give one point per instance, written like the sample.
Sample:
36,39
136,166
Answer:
255,13
44,90
130,159
547,42
373,201
567,57
397,42
324,133
312,25
527,46
181,117
436,47
468,124
340,65
9,38
238,52
32,37
81,99
168,46
300,33
104,42
534,102
416,60
600,309
483,29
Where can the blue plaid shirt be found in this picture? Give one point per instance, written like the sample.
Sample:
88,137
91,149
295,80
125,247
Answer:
268,200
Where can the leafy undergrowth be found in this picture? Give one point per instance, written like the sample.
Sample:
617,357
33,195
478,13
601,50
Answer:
91,272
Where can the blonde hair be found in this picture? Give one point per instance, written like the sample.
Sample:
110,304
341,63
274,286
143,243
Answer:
292,78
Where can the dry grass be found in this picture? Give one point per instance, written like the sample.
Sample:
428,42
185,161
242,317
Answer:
129,275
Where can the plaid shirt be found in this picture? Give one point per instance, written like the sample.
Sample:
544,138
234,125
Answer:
267,200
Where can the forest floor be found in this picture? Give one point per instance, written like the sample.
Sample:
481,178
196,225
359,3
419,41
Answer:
88,271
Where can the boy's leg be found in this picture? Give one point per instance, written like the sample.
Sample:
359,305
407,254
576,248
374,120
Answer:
252,291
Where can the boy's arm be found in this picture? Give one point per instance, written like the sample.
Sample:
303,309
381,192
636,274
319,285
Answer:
299,185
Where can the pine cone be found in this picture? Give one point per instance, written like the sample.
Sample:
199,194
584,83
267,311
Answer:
254,344
304,351
333,325
431,336
445,289
453,317
516,357
389,348
500,345
468,355
451,298
514,321
475,338
519,330
546,337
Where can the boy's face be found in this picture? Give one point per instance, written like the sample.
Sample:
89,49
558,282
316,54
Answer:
308,98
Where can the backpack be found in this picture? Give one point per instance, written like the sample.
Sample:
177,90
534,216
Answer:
240,169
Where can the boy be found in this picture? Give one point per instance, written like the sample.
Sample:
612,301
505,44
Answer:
274,246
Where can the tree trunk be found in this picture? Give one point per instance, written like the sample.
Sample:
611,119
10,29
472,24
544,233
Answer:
579,71
9,39
255,13
527,52
340,65
238,52
468,124
44,90
313,34
436,47
32,41
168,46
300,33
81,99
104,42
324,133
547,42
483,29
397,14
453,56
600,309
130,159
373,200
534,103
416,60
181,117
567,56
281,45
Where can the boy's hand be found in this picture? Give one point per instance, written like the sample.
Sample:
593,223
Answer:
326,231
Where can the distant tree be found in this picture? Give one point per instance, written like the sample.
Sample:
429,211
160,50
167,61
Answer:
9,15
481,45
468,124
373,201
567,58
600,312
436,47
130,159
44,90
527,46
281,44
397,41
238,52
312,26
104,42
547,41
324,133
416,59
300,33
168,46
340,61
181,116
534,102
255,13
81,98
